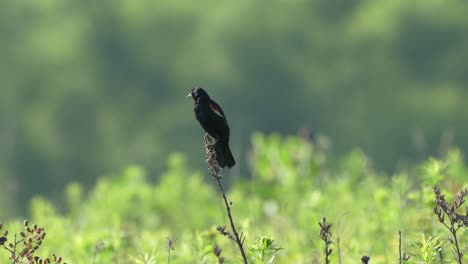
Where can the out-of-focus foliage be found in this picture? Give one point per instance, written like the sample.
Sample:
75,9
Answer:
294,185
87,86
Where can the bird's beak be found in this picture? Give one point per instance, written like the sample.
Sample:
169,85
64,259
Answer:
189,95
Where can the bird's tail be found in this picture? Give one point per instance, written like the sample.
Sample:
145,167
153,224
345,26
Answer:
224,155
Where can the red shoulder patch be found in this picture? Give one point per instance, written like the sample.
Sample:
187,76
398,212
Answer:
216,110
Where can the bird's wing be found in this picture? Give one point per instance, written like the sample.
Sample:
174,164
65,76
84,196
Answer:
217,109
219,112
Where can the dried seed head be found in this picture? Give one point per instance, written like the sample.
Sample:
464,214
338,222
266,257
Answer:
217,250
3,240
213,166
170,243
100,245
365,259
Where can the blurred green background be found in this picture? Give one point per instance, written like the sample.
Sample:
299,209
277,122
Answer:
88,87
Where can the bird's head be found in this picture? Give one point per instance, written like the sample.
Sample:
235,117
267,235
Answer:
197,93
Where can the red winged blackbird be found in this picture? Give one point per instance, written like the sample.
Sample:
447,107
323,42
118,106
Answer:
212,118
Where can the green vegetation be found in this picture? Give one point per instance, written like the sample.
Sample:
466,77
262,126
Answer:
89,86
125,218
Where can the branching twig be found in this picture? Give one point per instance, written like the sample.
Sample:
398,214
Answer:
214,170
444,209
25,244
325,235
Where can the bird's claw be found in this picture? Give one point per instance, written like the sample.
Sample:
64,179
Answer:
211,147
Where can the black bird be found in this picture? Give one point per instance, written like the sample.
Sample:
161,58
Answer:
213,120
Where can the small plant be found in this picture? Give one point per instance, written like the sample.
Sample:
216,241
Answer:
325,235
144,258
214,170
445,210
25,244
98,248
264,251
428,250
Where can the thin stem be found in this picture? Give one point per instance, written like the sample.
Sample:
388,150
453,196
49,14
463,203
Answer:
15,257
233,227
214,170
399,246
9,250
327,260
457,248
94,257
442,208
325,235
339,249
170,246
169,256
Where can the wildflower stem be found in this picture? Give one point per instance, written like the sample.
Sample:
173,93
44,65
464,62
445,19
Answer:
214,171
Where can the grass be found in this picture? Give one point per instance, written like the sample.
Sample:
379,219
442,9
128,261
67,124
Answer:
370,217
